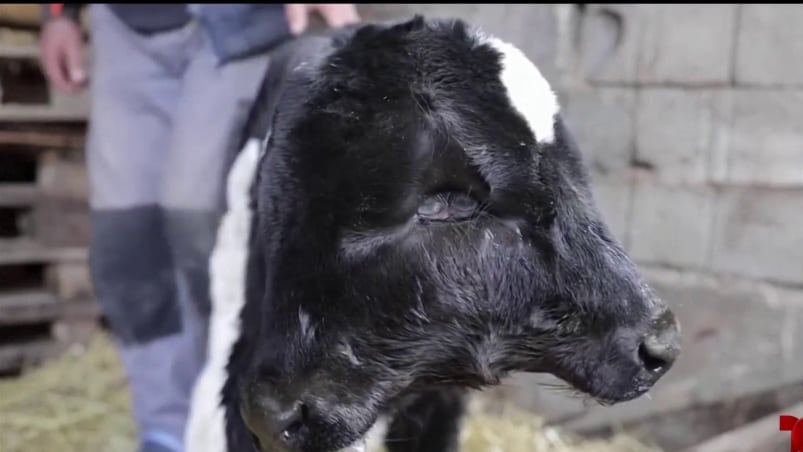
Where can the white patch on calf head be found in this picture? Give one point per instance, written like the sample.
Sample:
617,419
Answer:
205,430
527,89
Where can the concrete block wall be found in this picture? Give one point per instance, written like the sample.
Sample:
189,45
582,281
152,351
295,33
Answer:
713,151
691,119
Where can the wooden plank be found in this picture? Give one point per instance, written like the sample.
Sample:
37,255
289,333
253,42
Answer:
28,306
30,15
17,195
23,251
60,178
61,223
41,306
19,51
14,357
23,14
42,139
61,215
69,280
76,331
18,37
757,436
43,113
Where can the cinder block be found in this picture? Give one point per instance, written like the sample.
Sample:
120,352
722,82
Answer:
671,224
681,133
610,42
601,120
680,44
689,44
759,233
770,45
766,138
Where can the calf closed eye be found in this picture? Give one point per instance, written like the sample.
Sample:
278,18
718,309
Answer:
447,207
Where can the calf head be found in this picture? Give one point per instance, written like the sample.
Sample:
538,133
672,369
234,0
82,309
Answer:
423,218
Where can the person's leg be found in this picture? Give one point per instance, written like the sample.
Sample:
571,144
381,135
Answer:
208,127
135,84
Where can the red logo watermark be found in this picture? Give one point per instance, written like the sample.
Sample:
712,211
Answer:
795,427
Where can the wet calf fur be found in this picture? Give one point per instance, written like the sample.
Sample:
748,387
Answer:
419,224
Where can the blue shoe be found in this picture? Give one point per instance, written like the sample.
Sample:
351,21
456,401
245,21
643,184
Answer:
160,442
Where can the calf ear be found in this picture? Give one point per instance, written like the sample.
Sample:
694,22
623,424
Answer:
567,149
564,137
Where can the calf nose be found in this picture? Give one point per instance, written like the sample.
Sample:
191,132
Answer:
661,345
287,423
274,421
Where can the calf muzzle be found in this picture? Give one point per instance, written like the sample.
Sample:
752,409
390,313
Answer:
274,422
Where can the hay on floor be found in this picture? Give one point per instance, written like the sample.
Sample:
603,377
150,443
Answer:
80,402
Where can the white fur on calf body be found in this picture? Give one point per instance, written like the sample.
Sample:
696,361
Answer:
206,427
206,430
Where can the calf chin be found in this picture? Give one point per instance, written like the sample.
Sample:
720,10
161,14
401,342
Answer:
420,224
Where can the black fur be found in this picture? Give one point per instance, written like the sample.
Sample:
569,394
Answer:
413,239
427,422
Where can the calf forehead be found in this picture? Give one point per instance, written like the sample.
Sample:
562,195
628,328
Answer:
387,84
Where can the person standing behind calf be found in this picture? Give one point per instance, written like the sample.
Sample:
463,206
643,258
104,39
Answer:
170,88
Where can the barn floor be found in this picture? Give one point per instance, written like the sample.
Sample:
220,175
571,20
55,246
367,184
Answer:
80,403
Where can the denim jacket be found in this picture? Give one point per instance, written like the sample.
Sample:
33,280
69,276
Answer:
239,30
235,30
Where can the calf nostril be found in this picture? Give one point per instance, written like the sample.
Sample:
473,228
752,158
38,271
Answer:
658,352
651,358
293,421
292,430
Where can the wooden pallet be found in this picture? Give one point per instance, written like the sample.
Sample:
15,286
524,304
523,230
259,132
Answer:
25,94
35,325
43,190
46,302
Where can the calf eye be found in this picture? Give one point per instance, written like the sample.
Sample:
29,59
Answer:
447,207
432,207
459,202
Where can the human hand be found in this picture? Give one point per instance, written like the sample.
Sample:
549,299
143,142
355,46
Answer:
60,54
335,15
